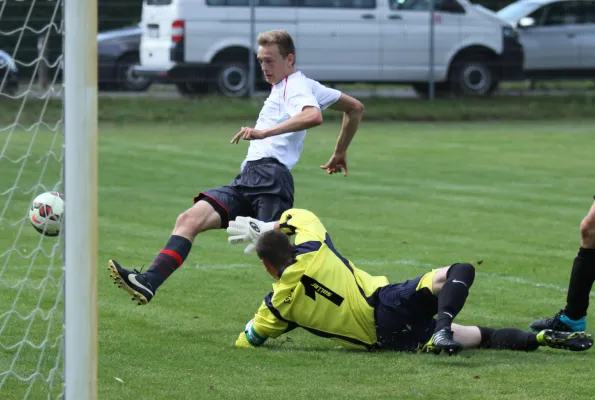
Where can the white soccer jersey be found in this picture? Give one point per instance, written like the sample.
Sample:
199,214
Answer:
288,98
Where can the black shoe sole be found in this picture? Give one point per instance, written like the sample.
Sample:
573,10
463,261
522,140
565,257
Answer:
452,351
121,283
581,342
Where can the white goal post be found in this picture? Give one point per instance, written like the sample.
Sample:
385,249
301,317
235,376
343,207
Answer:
48,142
80,177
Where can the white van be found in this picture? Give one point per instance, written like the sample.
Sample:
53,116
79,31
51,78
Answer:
204,44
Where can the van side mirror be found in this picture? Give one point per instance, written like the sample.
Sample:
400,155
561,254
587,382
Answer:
526,22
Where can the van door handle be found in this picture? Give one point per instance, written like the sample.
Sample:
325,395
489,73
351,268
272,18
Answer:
367,16
395,16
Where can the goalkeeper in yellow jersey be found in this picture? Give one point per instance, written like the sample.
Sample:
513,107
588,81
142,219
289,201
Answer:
319,290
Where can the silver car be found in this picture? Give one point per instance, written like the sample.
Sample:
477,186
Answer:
558,37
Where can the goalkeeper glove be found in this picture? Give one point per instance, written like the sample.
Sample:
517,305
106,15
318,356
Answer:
247,230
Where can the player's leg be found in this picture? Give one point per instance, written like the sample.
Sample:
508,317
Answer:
404,311
212,210
403,314
473,337
573,316
582,275
451,286
270,208
201,217
270,189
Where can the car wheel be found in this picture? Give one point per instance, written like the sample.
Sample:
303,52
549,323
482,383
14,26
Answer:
126,78
233,79
473,77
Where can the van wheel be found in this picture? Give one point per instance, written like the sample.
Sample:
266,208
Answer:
192,89
473,77
233,79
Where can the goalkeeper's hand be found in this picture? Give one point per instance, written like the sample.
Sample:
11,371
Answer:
247,230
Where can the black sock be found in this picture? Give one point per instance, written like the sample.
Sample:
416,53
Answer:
508,339
454,292
581,281
168,260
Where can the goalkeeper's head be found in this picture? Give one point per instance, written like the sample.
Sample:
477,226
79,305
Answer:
275,250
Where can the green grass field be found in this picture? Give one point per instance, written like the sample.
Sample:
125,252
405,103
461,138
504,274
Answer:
417,196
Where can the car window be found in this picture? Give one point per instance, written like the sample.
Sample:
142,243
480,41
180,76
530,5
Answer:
562,13
516,11
539,15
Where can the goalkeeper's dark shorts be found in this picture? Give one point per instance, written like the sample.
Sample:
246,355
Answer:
404,314
263,190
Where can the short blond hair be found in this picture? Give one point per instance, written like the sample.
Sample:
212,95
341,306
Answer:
279,37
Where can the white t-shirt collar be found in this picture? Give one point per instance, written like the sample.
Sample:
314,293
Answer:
283,81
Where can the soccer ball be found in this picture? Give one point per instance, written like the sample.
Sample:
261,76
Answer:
46,213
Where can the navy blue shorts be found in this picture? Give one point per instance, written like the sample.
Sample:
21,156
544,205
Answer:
404,316
263,190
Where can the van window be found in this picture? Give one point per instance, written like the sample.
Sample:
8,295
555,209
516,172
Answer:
295,3
261,3
274,3
424,5
589,14
228,2
339,3
158,2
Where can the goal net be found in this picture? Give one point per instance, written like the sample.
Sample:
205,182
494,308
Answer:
33,306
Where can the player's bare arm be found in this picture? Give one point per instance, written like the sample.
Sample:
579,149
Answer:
353,111
310,117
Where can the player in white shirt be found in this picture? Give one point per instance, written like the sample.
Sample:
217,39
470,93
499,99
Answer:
264,188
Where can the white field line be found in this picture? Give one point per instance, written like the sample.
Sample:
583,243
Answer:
417,264
514,279
381,263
